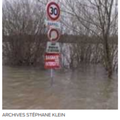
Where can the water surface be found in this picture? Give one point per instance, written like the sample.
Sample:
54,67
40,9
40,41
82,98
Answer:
86,88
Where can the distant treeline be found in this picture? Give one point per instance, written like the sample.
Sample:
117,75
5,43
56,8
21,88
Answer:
28,50
65,38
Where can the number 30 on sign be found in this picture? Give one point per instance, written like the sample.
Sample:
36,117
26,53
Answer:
53,11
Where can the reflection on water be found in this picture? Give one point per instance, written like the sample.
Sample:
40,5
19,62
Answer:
86,88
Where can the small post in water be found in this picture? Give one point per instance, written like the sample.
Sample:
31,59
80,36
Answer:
51,77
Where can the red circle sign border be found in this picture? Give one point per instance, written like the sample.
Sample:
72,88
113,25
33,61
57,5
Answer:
49,34
54,19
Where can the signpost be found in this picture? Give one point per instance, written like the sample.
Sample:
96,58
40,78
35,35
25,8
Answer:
53,11
52,60
53,47
53,34
52,24
52,55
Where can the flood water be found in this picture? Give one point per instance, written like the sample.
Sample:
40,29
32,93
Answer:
86,88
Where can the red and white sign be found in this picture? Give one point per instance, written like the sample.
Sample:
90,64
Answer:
52,57
53,34
53,11
52,60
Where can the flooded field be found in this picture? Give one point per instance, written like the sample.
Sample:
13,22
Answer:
86,88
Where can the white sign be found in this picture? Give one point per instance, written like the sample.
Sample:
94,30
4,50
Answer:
52,24
53,11
53,47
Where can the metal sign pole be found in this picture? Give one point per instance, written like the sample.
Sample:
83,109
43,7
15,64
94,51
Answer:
51,77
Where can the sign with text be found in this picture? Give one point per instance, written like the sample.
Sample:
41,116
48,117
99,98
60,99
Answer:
52,24
52,60
53,47
53,11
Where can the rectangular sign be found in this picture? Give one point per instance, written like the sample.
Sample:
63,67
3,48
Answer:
52,60
52,24
53,47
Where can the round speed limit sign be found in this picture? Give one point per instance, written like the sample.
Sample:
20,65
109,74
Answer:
53,11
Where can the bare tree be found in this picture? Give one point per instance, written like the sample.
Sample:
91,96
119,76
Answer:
99,17
23,27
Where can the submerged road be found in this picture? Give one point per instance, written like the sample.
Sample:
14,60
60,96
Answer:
86,88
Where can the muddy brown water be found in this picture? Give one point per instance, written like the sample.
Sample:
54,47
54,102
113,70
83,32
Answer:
86,88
